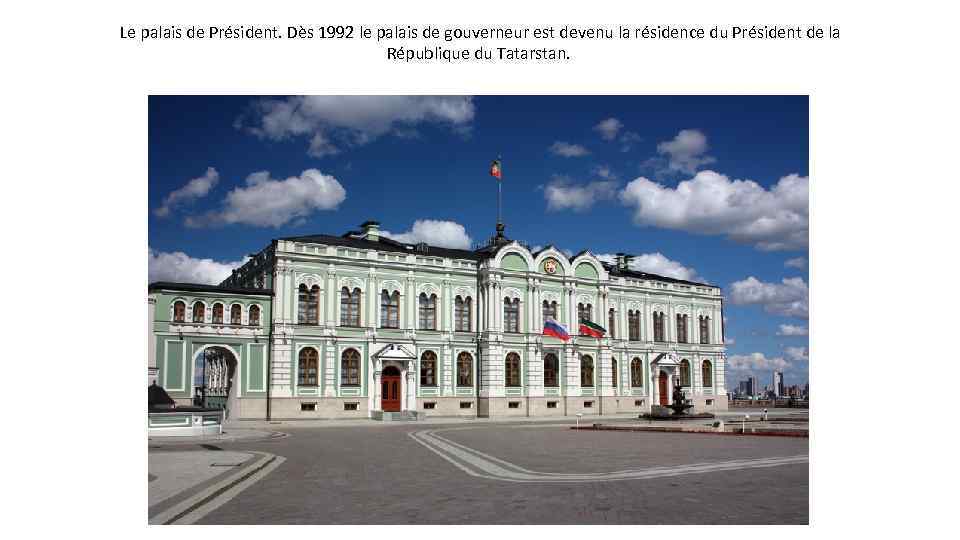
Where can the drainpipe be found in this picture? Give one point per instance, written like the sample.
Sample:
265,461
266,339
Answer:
479,354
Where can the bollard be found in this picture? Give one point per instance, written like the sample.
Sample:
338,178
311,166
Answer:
578,419
743,424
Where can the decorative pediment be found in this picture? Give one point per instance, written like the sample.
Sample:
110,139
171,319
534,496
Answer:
394,352
666,359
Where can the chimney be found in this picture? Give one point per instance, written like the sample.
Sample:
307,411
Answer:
622,261
371,230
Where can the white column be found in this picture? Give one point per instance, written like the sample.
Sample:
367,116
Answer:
330,314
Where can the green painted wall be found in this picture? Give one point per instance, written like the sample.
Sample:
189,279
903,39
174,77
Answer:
512,261
585,270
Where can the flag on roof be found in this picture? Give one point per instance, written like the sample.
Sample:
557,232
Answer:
555,329
495,170
588,328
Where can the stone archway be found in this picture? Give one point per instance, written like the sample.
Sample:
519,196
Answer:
215,379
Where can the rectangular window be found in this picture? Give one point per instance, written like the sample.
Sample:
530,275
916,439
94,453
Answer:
633,321
308,407
462,313
513,404
350,307
429,405
638,403
551,404
587,404
709,402
549,310
466,404
511,315
351,406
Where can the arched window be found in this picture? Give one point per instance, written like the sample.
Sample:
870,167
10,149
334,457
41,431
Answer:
614,367
350,307
428,312
512,377
235,311
253,318
706,370
584,312
549,310
704,330
586,370
218,313
633,321
350,368
308,304
684,373
462,313
464,369
308,367
511,315
636,373
551,371
612,323
681,328
658,323
199,310
389,309
428,369
179,311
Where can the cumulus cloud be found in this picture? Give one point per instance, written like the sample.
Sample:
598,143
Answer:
267,202
608,128
797,354
566,149
798,262
657,263
772,219
790,298
562,194
686,152
179,267
756,362
193,190
448,234
793,330
628,140
729,341
335,122
604,171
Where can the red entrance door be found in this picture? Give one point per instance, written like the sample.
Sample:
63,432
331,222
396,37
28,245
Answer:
390,390
664,398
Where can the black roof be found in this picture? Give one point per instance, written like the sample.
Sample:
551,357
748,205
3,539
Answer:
614,271
199,287
385,244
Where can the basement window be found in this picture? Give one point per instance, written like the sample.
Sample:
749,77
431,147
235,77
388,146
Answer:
466,404
638,403
429,405
709,402
587,404
351,406
513,404
551,404
308,407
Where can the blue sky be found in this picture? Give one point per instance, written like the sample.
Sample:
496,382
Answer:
704,188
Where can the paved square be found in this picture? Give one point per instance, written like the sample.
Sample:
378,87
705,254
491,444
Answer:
390,474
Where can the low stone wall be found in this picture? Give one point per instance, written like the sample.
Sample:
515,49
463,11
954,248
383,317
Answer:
768,403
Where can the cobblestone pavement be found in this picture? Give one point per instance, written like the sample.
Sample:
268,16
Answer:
353,475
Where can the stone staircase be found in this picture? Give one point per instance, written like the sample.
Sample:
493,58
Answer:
403,416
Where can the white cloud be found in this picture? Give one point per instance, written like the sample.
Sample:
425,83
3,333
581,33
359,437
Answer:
333,122
755,362
609,128
193,190
628,139
712,203
448,234
566,149
793,330
798,262
604,171
657,263
789,298
182,268
797,354
267,202
686,152
729,341
562,194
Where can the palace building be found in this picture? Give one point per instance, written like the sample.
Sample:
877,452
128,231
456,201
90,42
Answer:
361,325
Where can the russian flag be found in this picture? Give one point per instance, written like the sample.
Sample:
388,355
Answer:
555,329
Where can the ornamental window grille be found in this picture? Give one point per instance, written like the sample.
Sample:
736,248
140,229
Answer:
550,310
428,311
681,328
684,373
584,312
636,373
512,378
428,369
308,305
614,367
706,370
658,326
198,312
179,311
551,371
350,368
235,313
612,323
461,313
464,369
389,309
260,280
308,367
633,322
253,318
350,307
704,330
218,313
511,315
586,370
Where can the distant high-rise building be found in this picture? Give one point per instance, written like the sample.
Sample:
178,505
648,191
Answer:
754,386
778,383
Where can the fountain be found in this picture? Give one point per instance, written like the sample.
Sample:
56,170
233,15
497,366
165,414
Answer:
679,404
680,407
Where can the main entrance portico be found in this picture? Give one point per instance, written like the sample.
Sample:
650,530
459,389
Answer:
394,380
663,369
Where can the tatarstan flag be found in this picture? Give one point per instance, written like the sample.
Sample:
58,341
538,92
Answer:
588,328
495,170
